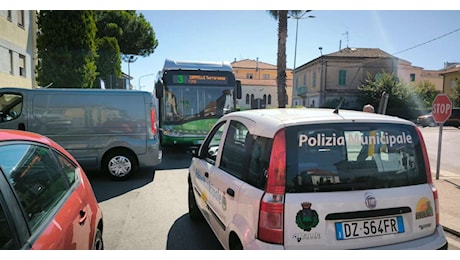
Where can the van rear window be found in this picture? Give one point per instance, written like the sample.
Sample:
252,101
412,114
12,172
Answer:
339,157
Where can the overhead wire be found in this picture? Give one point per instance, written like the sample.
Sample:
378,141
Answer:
434,39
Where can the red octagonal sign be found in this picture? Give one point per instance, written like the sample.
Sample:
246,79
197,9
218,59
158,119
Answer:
441,108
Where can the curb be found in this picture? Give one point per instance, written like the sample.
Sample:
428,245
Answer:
451,231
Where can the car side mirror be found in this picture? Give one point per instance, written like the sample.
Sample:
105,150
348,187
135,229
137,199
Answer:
193,150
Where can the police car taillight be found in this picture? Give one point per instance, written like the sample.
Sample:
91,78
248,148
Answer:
271,217
428,174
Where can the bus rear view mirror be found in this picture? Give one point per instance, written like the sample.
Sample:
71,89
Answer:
238,89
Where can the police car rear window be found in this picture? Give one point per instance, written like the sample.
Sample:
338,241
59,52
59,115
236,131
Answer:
340,157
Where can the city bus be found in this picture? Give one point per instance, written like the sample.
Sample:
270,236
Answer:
192,95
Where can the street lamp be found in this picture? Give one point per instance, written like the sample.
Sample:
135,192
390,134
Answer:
151,74
295,46
129,59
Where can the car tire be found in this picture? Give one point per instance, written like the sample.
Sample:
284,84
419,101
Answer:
119,165
193,210
98,242
431,123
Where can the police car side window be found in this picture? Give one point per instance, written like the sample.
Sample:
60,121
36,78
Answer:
234,150
211,146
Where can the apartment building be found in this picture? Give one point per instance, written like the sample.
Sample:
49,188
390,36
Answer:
451,80
18,30
258,84
329,78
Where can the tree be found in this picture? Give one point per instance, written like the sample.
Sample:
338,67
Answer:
109,59
281,16
455,97
426,92
401,101
133,32
66,49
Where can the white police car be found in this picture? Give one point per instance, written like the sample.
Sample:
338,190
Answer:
299,178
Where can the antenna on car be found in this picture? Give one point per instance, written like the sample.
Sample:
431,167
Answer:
336,110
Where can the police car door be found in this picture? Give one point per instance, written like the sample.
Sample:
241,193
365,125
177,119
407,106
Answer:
228,177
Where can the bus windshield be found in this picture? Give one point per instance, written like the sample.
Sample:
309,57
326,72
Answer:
191,103
193,95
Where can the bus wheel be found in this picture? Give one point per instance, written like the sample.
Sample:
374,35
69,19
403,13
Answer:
119,165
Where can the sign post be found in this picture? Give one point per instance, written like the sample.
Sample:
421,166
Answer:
441,111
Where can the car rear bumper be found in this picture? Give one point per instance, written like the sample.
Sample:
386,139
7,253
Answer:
436,241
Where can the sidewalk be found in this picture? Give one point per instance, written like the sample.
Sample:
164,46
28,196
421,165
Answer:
448,186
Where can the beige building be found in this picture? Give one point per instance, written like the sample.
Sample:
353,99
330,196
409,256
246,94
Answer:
258,84
327,79
18,30
451,77
414,75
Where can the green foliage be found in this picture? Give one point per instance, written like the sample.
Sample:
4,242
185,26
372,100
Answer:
133,32
109,60
66,49
455,98
401,99
426,92
74,47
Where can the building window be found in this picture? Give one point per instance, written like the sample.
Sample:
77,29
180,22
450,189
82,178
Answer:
11,63
21,18
342,77
266,76
305,79
9,16
247,99
249,75
453,84
314,79
269,101
22,65
412,77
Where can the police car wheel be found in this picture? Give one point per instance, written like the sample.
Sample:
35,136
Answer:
193,211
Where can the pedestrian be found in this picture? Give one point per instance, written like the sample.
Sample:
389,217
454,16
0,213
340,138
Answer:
368,108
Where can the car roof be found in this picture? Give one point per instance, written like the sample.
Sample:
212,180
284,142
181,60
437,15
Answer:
18,135
269,121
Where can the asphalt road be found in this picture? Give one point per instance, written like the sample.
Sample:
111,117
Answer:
149,211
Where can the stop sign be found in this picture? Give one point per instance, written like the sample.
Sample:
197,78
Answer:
441,108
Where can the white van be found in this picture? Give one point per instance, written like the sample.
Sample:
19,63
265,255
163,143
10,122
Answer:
315,179
112,130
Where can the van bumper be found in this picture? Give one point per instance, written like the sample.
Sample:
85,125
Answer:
153,156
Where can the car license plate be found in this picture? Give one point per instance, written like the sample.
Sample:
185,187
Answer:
369,227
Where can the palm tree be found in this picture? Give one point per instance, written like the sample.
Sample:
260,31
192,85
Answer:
282,16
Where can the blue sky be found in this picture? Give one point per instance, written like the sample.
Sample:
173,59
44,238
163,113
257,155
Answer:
426,38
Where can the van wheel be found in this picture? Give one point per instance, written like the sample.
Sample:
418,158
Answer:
193,210
120,165
98,243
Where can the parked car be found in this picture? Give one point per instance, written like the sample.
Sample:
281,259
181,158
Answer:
428,120
46,200
291,179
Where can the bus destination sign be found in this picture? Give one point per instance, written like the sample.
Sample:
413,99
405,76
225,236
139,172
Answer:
199,79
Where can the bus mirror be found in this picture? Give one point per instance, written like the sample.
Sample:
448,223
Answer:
238,89
158,89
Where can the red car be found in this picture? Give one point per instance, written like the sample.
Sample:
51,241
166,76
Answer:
46,200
